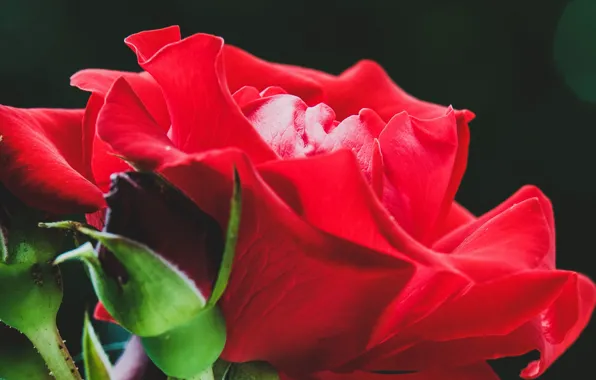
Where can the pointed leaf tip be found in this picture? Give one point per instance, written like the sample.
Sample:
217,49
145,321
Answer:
225,268
84,253
97,364
188,350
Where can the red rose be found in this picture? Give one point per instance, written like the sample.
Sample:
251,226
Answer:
353,257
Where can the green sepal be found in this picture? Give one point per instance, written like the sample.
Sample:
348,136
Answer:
26,243
225,267
187,351
31,297
154,298
96,362
190,349
252,371
32,286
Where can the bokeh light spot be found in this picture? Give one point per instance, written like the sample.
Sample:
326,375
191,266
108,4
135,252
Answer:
575,48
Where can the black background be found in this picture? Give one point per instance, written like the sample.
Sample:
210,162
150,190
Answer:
495,58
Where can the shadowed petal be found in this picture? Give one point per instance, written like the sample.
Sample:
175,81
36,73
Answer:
43,161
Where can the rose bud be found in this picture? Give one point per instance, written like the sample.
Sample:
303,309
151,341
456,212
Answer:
173,311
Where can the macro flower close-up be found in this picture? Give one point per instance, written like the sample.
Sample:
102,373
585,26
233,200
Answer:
230,217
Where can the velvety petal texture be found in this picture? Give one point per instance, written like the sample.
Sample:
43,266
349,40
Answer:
43,162
104,161
196,93
353,256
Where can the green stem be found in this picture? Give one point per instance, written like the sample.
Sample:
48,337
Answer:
49,343
205,375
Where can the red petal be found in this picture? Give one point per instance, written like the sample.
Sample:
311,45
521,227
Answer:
101,314
104,161
497,307
244,69
367,85
449,242
190,72
562,323
341,204
293,129
489,321
479,371
99,81
272,91
518,239
419,158
43,160
274,304
551,332
146,44
377,170
457,174
456,217
246,95
129,129
364,85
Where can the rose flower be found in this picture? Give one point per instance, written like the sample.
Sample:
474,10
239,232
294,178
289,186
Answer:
353,259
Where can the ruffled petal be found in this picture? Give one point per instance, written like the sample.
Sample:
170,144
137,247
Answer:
449,242
503,318
518,239
364,85
497,307
246,95
342,204
293,129
43,162
367,85
203,113
127,127
419,158
297,297
147,43
562,323
446,215
104,162
99,81
244,69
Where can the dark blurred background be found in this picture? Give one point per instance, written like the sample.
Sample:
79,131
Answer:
527,68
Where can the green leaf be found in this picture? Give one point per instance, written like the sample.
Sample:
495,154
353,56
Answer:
18,358
154,298
252,371
231,239
188,350
97,364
